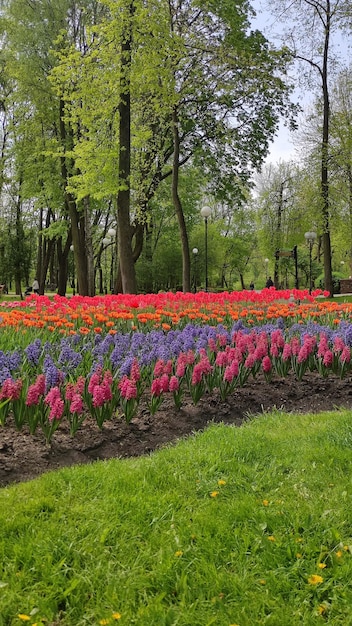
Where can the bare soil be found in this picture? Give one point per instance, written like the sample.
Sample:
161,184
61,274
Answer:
24,456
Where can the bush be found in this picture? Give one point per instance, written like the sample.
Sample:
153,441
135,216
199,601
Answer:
336,277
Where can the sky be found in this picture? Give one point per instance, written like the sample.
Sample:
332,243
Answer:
282,149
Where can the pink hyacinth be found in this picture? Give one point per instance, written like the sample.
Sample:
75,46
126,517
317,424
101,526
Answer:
164,382
11,389
345,355
250,360
33,395
158,368
222,340
181,365
231,372
156,388
135,371
338,344
221,359
274,350
95,379
57,410
303,353
295,346
323,345
287,352
174,384
52,396
277,338
328,358
212,345
266,364
197,374
98,395
76,405
128,388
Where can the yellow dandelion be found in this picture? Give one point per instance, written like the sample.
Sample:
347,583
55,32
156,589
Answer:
299,540
265,502
315,579
321,609
262,581
346,548
221,482
321,565
271,538
104,622
214,494
298,555
116,616
339,554
178,553
24,618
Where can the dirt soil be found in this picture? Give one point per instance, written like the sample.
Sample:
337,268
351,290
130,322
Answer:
24,456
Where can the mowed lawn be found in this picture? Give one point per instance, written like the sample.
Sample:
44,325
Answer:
245,526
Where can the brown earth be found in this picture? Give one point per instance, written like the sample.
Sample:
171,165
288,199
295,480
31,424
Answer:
24,456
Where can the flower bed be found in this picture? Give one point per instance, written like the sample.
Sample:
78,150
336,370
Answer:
99,356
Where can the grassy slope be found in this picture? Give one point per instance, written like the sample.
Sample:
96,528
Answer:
224,528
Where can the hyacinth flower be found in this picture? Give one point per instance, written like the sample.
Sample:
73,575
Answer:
51,417
128,397
75,407
267,368
35,402
200,377
176,389
159,386
10,393
99,396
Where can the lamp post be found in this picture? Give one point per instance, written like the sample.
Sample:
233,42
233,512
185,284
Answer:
266,261
195,252
73,272
205,212
112,235
310,237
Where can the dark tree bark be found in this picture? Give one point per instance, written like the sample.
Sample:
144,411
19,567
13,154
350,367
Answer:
126,262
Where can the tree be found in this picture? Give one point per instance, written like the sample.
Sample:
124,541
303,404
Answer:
313,23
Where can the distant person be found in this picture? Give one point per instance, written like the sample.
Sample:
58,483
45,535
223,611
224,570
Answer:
251,286
35,286
269,283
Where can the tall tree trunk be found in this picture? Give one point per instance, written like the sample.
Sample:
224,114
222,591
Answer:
328,282
278,234
89,249
126,263
186,261
78,227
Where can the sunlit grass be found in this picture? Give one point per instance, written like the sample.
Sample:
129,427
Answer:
245,526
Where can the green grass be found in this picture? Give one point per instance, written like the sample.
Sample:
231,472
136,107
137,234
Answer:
224,528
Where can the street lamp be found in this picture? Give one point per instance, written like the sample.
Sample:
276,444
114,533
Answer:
310,237
266,261
112,235
205,212
195,252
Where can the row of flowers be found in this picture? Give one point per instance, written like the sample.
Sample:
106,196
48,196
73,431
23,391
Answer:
64,316
47,383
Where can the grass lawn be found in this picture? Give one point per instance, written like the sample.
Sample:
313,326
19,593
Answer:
246,526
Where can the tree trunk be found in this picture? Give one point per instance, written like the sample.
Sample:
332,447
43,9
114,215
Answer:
328,282
89,249
126,264
186,261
